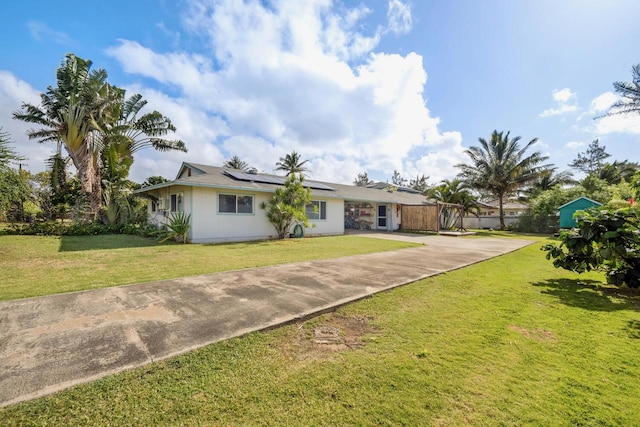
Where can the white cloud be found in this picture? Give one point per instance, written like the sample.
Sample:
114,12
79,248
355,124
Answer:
14,92
562,98
574,145
296,76
601,103
399,17
42,33
618,124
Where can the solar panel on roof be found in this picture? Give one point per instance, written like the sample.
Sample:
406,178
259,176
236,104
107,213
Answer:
270,179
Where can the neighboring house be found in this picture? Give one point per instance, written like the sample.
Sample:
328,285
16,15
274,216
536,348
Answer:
224,204
386,186
489,214
568,209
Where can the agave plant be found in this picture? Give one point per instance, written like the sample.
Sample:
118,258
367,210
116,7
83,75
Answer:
178,227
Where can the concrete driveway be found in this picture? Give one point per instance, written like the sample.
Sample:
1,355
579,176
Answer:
53,342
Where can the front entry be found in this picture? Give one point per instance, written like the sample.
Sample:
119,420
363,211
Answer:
382,217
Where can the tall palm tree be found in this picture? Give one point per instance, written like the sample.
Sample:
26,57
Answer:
499,166
236,163
292,164
68,113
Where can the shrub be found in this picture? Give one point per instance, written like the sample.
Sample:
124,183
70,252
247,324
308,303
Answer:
603,240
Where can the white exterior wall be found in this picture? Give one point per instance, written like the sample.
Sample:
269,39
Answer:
490,221
334,224
209,226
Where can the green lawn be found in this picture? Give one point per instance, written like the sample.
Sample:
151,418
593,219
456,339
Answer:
38,265
510,341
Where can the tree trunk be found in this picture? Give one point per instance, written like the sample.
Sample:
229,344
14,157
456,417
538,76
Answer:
502,225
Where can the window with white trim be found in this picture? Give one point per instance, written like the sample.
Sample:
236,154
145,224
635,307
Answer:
177,202
316,210
235,204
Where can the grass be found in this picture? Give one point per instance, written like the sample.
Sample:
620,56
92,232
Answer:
510,341
39,265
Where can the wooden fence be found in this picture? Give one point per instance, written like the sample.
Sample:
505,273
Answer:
441,216
419,218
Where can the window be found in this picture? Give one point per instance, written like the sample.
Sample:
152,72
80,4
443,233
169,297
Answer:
316,210
154,206
177,203
231,203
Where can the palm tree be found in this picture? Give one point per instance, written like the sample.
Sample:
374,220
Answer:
500,167
616,172
630,93
548,179
457,192
236,163
292,164
68,113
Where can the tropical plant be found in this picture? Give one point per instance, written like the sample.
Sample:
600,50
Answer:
362,180
288,205
455,191
499,166
603,240
236,162
178,227
616,172
69,113
630,92
292,164
549,179
95,123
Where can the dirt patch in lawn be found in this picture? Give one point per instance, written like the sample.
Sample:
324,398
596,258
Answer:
326,336
540,335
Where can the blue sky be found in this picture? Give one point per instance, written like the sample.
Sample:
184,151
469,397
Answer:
353,86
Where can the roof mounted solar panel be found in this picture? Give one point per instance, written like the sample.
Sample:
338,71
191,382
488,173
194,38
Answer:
271,179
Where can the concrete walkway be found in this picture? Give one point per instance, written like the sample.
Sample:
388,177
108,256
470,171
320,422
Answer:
53,342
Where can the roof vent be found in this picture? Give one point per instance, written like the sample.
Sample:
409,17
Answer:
253,171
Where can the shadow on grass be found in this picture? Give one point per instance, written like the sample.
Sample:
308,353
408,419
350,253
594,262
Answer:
591,294
106,241
634,328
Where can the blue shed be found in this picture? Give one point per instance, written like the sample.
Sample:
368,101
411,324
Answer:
568,209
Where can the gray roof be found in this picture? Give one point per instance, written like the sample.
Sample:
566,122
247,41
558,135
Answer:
215,177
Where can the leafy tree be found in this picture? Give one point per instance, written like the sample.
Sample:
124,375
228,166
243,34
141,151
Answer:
292,164
236,163
457,192
362,180
630,92
499,166
603,240
397,179
420,183
288,204
591,160
154,180
15,191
